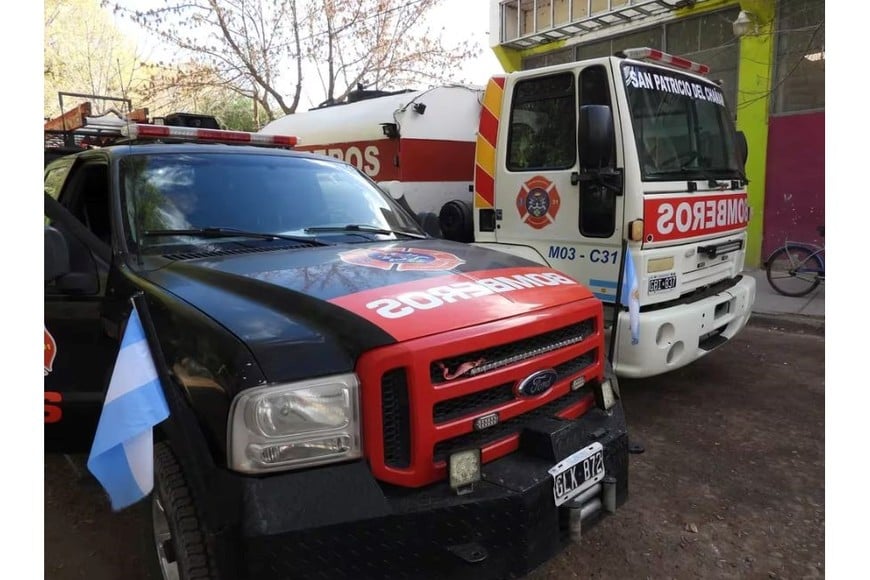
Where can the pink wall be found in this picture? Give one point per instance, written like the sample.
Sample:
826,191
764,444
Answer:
794,197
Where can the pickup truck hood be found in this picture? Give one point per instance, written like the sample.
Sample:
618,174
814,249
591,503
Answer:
329,304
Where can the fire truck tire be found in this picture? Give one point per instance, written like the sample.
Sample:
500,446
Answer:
177,542
430,224
457,221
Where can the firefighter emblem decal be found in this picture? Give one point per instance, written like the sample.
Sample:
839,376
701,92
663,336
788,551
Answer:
49,352
402,259
538,202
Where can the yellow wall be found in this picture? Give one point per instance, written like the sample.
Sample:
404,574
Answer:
753,107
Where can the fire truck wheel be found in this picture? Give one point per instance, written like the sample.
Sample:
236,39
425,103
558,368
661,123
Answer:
457,221
177,543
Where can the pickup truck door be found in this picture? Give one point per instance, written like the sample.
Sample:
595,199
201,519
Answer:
79,353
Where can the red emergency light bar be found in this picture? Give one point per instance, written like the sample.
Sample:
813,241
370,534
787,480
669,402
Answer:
140,131
663,57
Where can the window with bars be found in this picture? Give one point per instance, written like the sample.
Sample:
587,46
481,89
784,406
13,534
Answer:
799,66
707,38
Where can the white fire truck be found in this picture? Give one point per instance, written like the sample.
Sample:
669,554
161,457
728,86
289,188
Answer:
577,166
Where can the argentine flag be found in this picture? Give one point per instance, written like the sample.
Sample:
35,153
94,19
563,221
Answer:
629,296
122,453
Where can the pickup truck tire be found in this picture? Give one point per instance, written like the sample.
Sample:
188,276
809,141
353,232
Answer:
177,543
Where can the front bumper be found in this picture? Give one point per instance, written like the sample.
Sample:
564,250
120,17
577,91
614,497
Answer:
673,337
338,522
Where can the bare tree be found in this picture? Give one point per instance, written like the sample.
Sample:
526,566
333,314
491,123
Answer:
189,87
256,48
379,44
240,45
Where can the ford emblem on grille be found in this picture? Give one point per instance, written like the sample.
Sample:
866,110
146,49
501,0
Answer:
538,383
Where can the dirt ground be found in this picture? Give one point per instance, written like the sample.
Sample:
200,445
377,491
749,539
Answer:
731,483
732,480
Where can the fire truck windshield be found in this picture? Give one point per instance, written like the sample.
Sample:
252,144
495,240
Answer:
682,127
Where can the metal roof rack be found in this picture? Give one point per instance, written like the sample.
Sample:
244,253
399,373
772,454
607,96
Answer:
79,129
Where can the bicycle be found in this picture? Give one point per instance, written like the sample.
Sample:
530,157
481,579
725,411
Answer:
796,268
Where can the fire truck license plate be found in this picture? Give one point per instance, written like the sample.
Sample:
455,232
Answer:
662,283
577,473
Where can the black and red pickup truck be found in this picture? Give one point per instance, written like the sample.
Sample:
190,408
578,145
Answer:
348,396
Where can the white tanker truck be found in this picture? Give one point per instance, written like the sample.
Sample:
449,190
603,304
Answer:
418,145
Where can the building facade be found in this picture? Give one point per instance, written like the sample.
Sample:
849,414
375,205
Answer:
768,54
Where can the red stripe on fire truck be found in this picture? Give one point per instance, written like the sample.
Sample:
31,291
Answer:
487,135
673,218
414,160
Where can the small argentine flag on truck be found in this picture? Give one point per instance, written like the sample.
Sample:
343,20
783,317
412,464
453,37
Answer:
629,296
121,456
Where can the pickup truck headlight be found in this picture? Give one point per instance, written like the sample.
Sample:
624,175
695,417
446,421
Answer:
280,427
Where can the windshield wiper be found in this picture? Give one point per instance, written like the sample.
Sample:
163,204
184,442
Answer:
695,170
232,233
366,229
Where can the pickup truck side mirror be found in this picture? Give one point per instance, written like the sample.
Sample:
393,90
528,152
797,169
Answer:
56,254
742,148
595,140
59,262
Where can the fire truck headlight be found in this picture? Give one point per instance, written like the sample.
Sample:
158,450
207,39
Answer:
279,427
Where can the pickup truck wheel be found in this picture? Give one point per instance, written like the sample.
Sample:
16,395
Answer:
177,541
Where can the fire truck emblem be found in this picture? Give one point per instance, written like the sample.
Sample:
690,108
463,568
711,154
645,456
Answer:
538,202
402,259
49,352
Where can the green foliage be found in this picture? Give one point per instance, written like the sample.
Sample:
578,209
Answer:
86,53
233,111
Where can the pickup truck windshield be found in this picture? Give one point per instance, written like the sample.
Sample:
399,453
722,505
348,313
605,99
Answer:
260,194
682,127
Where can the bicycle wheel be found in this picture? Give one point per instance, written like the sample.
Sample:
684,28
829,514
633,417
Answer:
794,270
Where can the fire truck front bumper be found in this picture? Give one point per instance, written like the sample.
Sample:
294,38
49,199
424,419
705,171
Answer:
338,522
673,337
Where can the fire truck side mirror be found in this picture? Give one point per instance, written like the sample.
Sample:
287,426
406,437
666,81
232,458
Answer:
595,141
742,148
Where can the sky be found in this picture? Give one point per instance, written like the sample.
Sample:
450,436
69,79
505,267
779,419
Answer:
461,20
847,396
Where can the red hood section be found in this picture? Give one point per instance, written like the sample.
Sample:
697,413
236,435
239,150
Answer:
428,306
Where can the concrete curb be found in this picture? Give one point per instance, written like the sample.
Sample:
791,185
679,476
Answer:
789,322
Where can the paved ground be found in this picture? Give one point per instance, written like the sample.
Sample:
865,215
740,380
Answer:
767,302
731,484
